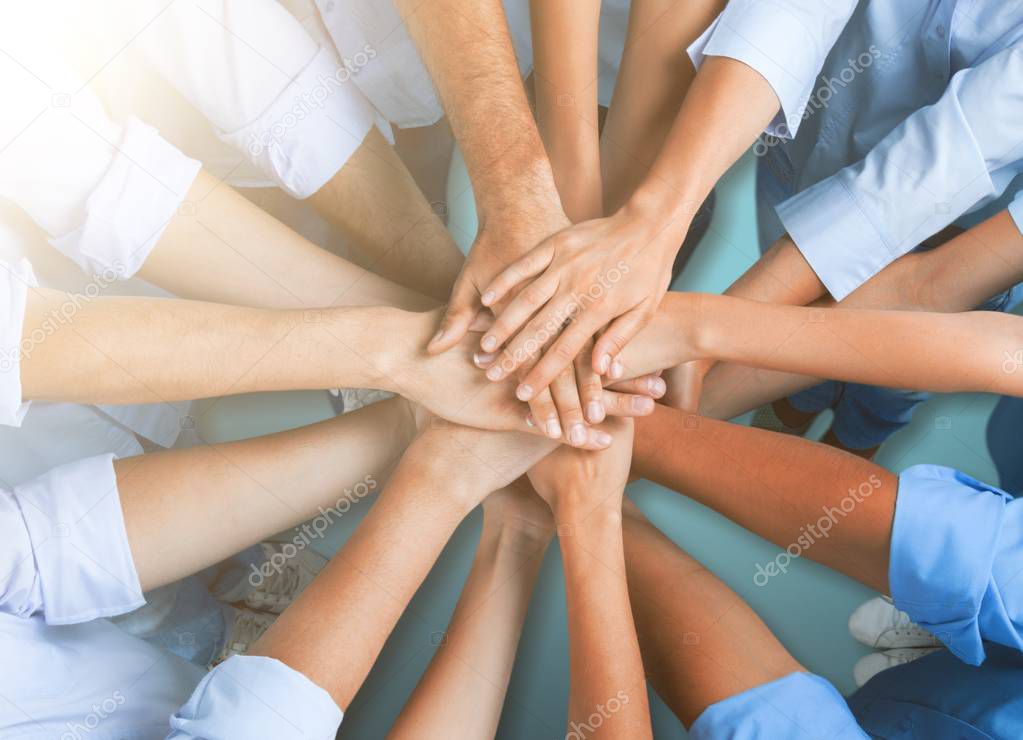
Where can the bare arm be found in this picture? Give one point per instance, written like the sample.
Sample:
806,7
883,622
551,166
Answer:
585,494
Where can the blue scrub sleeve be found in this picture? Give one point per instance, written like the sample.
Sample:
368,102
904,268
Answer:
956,558
256,698
800,705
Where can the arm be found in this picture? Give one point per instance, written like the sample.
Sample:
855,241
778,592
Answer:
466,682
585,494
337,627
974,351
565,36
991,254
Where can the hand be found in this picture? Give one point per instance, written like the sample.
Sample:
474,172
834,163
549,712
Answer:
576,483
610,272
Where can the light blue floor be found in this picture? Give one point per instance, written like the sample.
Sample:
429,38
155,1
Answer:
807,608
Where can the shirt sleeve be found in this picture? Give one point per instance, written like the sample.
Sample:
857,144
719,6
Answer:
63,547
934,167
786,41
256,698
15,280
1016,210
956,552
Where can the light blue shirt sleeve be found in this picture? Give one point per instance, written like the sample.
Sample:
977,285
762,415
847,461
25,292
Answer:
786,41
1016,210
924,175
256,698
956,554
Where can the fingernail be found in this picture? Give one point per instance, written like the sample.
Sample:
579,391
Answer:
530,421
487,298
482,359
658,387
489,343
437,337
495,372
617,370
524,392
602,438
605,363
642,405
553,429
577,434
595,412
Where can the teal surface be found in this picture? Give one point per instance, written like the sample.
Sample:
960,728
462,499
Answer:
807,608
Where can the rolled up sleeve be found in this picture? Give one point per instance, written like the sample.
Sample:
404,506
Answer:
255,698
933,168
64,548
786,41
956,552
15,281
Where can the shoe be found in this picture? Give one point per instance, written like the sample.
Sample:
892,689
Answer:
346,400
879,624
766,418
282,578
247,627
870,665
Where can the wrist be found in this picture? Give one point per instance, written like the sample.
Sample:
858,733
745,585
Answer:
358,332
578,503
518,178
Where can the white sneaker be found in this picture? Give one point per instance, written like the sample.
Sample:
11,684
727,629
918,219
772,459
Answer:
870,665
246,628
283,578
879,624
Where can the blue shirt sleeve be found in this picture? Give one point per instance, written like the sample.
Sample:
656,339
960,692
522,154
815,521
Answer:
929,171
956,554
1016,210
256,698
786,41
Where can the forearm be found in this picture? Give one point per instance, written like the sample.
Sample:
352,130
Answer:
140,350
565,36
335,630
836,508
727,106
466,682
224,248
604,656
467,48
176,527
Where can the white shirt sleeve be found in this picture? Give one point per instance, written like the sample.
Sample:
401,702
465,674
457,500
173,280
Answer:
1016,210
104,193
15,281
259,699
786,41
930,170
63,546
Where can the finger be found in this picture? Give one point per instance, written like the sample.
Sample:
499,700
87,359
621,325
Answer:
458,317
618,334
623,404
545,414
534,297
566,399
529,265
524,349
556,357
591,391
483,320
645,385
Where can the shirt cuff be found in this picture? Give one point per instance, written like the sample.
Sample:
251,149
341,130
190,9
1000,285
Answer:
74,522
311,129
256,697
749,31
947,531
15,280
797,705
1016,211
126,214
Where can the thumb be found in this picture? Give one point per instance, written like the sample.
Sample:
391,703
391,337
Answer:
458,317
